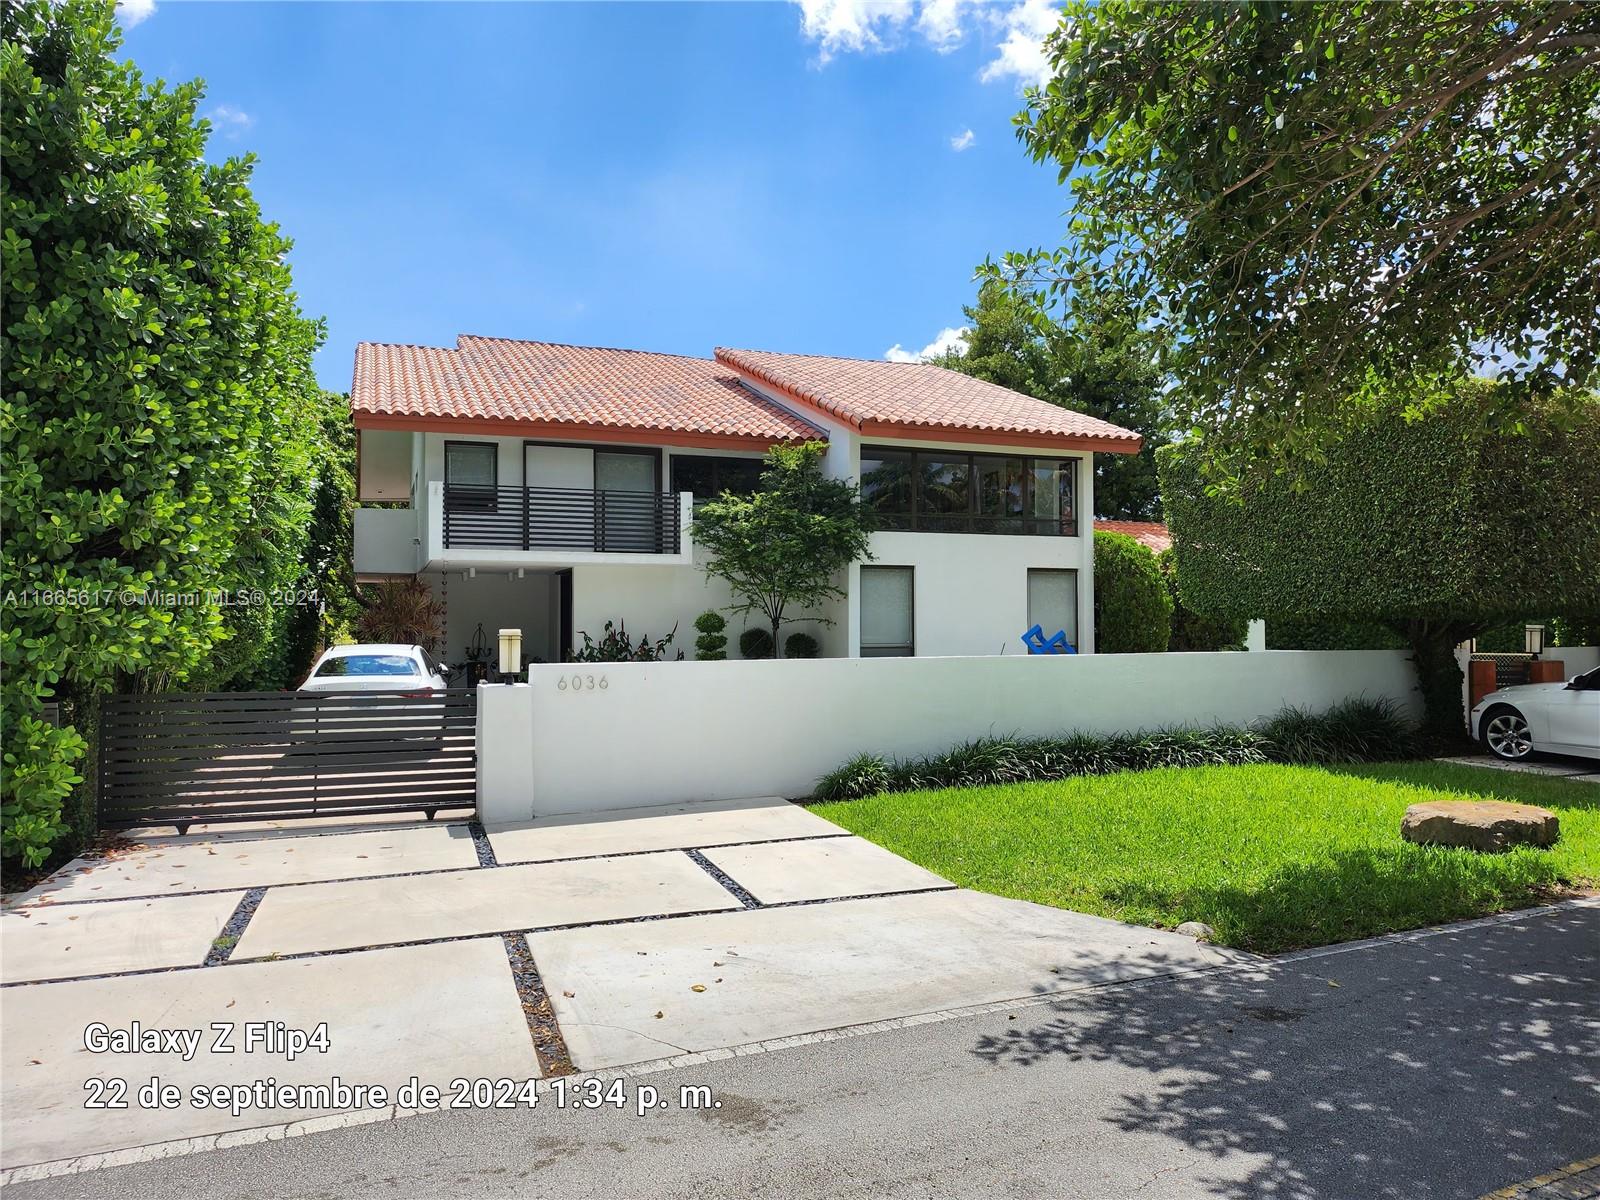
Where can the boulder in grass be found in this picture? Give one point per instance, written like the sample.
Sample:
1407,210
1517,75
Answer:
1490,825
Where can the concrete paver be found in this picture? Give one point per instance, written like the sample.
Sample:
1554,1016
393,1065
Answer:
785,871
176,867
668,827
437,1012
375,912
624,993
1587,770
60,942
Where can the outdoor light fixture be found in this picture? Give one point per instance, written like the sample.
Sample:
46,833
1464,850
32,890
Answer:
1533,639
510,652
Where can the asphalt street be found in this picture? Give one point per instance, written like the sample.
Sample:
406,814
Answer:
1448,1065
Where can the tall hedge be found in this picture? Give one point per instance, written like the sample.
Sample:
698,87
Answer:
1132,607
1192,631
1425,524
158,421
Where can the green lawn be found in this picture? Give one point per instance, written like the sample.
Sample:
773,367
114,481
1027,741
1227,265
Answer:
1272,857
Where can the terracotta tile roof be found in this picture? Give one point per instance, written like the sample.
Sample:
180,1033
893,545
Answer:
889,399
512,386
1149,533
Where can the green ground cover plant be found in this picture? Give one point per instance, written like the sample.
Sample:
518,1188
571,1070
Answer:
1355,730
1272,856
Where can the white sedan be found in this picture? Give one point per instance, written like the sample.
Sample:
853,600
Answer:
375,667
1552,718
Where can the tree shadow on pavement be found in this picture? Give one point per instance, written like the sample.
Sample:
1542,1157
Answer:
1443,1065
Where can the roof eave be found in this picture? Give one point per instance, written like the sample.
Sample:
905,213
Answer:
574,431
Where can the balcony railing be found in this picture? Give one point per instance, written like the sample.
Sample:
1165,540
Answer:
512,518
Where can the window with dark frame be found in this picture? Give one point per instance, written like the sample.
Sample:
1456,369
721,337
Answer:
888,612
471,474
1053,601
708,476
944,491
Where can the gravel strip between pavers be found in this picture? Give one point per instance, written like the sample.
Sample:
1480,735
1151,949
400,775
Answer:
548,1043
222,948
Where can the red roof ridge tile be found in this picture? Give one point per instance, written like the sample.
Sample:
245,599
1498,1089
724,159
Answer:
487,337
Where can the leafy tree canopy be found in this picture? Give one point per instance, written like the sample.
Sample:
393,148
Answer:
158,409
1313,195
784,547
1103,364
1434,528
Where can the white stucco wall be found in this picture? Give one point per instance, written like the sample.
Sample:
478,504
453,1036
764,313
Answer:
385,462
1574,660
709,731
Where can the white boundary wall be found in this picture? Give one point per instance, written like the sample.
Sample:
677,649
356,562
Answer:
596,737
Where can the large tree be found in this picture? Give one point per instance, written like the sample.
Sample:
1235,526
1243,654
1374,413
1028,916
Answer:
1433,528
783,548
159,401
1315,194
1103,364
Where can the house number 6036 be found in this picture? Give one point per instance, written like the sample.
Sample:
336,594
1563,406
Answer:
581,683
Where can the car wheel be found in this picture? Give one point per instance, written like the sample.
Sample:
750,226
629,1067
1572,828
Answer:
1506,735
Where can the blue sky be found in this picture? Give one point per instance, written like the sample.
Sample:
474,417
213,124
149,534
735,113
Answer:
670,177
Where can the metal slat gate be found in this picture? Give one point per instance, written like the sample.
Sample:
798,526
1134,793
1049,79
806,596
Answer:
178,759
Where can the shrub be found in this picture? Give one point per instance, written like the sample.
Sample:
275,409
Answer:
801,645
712,644
863,775
1132,607
402,611
1190,630
1356,730
615,646
755,642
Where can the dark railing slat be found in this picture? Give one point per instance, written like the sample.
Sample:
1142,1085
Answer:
561,519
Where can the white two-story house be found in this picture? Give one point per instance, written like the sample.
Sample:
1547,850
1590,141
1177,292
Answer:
551,488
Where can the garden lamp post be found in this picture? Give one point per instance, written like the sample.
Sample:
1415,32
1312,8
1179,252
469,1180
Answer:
1533,639
510,653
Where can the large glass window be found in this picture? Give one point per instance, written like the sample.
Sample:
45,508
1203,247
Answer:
886,486
1053,602
1002,494
888,613
946,492
708,476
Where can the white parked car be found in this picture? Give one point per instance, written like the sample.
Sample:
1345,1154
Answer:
409,670
1553,718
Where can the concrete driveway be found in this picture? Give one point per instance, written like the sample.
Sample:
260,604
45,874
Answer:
419,954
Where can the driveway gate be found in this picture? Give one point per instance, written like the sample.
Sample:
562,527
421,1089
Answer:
178,759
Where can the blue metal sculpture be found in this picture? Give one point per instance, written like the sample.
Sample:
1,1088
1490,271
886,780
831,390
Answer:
1056,643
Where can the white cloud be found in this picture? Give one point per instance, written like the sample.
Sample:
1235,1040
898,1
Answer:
963,141
940,23
947,341
846,25
1021,55
229,121
1016,29
131,12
